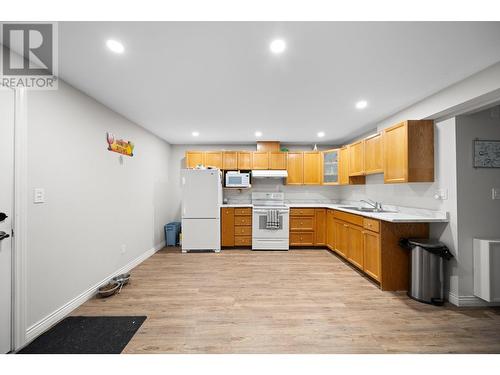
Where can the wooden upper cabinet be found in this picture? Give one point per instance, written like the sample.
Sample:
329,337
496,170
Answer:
373,154
357,158
194,158
230,160
277,160
344,166
312,168
268,146
408,150
244,160
330,167
260,160
295,168
213,159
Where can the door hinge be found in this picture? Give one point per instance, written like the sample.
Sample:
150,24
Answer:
12,232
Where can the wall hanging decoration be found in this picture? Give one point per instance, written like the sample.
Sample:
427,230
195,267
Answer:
486,153
119,145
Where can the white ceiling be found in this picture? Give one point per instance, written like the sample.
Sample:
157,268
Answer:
220,79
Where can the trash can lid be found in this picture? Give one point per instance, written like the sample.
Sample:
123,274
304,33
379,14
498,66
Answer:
426,243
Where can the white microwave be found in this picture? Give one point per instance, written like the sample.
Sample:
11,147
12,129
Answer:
237,179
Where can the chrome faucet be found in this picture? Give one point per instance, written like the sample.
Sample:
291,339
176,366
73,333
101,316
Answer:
376,205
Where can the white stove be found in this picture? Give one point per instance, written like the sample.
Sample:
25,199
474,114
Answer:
270,228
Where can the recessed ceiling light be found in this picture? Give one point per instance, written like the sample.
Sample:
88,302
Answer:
362,104
195,134
258,134
115,46
321,134
277,46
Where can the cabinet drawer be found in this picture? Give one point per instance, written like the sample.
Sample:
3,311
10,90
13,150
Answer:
243,230
350,218
302,223
302,211
301,238
242,220
371,224
242,240
243,211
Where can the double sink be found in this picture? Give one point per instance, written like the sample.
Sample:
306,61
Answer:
365,209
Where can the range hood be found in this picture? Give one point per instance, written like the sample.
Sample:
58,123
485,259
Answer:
260,173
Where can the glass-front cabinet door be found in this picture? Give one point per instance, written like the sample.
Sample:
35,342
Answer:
331,167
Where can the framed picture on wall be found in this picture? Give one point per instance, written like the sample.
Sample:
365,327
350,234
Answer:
486,153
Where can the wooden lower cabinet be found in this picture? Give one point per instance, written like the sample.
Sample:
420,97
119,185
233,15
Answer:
320,227
330,230
236,227
227,227
341,237
301,238
303,227
355,247
371,244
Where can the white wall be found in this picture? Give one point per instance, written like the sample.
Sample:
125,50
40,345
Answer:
479,215
94,203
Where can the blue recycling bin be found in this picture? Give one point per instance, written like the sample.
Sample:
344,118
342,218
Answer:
172,231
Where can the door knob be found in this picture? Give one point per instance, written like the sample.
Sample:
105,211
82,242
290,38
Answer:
3,235
3,216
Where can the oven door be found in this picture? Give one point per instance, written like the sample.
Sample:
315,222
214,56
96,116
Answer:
259,229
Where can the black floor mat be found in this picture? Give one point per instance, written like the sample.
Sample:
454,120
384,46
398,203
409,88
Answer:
87,335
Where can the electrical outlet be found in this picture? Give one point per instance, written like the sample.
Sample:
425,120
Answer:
39,195
123,249
441,194
495,193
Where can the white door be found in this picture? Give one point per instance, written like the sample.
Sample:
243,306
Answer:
201,234
6,209
200,193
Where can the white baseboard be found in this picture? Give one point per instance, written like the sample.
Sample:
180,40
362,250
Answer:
44,324
469,301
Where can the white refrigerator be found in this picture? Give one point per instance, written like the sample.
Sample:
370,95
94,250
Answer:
201,200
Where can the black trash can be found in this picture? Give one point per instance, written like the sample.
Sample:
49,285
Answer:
426,269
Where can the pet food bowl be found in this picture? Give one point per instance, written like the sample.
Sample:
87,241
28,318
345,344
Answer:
122,279
109,289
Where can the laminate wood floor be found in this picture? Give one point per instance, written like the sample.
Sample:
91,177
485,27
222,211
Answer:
300,301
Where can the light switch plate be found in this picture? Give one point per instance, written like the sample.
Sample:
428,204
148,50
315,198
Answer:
39,195
495,193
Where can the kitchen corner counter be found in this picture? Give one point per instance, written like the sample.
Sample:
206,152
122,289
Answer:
406,215
403,215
